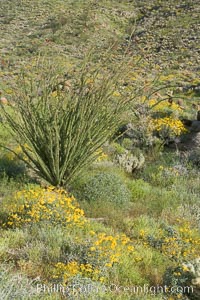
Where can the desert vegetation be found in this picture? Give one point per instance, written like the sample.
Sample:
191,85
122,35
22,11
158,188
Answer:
100,150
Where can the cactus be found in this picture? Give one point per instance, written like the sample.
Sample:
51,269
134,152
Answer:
130,162
194,269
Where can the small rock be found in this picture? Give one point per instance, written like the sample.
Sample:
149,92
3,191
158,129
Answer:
3,100
196,281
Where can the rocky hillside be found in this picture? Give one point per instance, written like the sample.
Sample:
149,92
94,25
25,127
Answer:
168,32
164,33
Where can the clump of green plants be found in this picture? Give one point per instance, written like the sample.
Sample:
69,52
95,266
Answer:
139,189
15,285
12,168
105,187
190,212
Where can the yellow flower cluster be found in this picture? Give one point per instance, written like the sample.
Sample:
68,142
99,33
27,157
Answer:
182,245
169,125
104,252
116,94
163,105
17,152
169,170
167,77
101,155
109,249
73,268
11,155
40,204
57,207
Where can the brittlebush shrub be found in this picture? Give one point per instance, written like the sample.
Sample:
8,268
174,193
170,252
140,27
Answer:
46,205
166,118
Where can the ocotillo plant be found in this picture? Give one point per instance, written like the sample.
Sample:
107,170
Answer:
60,128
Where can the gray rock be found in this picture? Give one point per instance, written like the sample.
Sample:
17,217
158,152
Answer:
189,141
195,127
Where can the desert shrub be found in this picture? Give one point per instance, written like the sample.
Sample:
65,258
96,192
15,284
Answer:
10,164
106,187
168,127
164,176
127,144
139,189
98,258
115,148
38,204
128,272
5,136
190,212
166,171
189,184
12,168
165,118
154,265
15,286
107,214
142,226
60,126
179,276
179,243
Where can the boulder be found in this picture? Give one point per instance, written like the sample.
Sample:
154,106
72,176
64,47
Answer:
191,140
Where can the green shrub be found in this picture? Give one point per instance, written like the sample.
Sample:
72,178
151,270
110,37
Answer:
106,187
12,168
139,189
190,212
179,277
127,144
152,199
128,273
18,286
115,148
61,128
